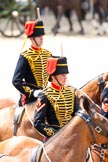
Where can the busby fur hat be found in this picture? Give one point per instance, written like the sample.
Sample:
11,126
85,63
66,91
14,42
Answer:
57,65
105,95
34,28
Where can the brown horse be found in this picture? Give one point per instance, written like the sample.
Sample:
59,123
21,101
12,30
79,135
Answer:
53,6
67,145
94,87
95,6
6,102
69,5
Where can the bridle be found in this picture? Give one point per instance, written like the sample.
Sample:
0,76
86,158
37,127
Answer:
89,120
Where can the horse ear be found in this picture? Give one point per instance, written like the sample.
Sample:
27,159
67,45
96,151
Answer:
84,103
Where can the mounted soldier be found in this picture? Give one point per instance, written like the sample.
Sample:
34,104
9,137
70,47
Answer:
30,75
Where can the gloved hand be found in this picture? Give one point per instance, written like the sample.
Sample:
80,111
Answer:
36,92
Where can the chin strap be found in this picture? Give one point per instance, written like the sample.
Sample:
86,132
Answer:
35,42
58,81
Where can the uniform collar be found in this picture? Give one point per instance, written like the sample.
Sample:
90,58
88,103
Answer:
35,48
56,86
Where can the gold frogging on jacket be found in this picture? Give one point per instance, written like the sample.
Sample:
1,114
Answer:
37,61
62,102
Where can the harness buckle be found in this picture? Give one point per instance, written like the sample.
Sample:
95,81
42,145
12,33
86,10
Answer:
98,129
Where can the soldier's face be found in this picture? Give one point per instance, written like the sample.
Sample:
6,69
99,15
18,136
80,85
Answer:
62,78
38,41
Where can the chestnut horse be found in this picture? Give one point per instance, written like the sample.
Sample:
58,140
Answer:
67,145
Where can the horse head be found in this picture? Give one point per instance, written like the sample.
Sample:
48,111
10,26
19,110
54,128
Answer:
97,124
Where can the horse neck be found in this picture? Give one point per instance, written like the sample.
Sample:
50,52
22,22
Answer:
69,144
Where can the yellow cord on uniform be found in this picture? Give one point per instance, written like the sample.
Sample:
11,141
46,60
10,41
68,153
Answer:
25,39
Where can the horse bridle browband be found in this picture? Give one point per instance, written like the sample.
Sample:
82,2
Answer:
88,119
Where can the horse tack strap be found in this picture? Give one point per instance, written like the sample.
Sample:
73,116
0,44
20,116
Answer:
87,119
99,129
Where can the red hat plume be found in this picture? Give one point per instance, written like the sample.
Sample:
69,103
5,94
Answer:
51,65
29,27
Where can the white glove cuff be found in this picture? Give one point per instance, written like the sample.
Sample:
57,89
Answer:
36,92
